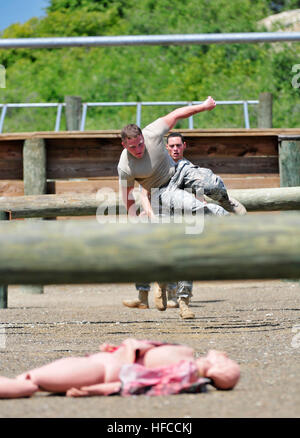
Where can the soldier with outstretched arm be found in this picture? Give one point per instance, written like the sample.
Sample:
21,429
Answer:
145,160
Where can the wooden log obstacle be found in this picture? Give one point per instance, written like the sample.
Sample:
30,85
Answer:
48,206
40,206
77,252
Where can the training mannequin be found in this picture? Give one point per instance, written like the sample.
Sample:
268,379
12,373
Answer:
130,368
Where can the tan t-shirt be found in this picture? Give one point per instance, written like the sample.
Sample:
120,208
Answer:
156,167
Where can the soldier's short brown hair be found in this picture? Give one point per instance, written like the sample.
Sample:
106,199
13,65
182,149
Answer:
130,131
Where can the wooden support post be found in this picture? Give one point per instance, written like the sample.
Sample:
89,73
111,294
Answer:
34,167
289,163
73,112
35,182
289,160
265,110
3,288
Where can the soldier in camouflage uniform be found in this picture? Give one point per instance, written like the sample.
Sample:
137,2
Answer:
176,146
143,160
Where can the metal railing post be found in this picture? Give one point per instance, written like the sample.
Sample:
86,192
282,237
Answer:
3,114
138,113
58,116
246,115
83,116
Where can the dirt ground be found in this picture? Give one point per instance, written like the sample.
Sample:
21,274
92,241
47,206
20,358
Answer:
256,322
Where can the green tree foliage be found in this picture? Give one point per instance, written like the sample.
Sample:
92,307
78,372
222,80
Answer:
150,73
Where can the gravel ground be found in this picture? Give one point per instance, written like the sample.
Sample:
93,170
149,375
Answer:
256,322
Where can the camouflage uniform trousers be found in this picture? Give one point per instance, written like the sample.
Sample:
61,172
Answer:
182,288
185,190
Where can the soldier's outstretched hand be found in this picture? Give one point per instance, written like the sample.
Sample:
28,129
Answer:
209,103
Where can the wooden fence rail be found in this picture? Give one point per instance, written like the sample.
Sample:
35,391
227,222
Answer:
245,158
270,199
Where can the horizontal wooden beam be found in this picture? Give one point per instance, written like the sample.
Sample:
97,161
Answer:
88,154
268,199
81,252
115,133
58,205
92,185
95,157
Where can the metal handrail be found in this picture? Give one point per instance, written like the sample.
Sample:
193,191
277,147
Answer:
141,40
138,106
31,105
